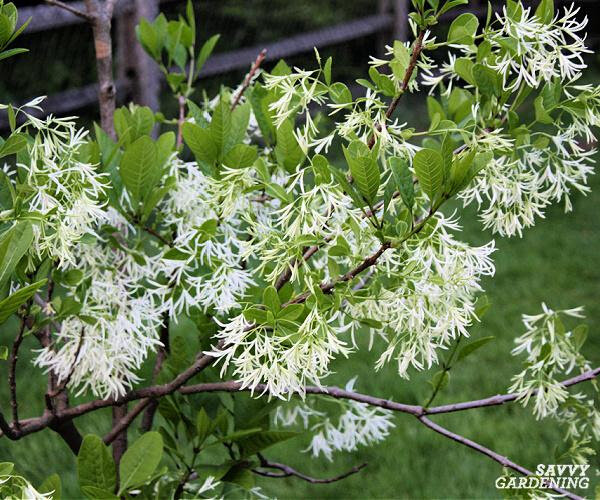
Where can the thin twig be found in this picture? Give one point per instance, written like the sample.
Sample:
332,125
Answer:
249,77
71,9
125,421
180,121
417,49
287,471
504,461
162,353
65,383
12,369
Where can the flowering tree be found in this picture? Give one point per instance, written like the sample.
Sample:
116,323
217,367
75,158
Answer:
286,238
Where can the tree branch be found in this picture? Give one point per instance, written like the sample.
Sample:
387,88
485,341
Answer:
417,49
249,77
71,9
125,421
162,353
287,471
12,369
504,461
101,25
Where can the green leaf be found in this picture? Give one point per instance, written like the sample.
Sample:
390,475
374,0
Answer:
473,346
139,168
401,60
450,5
271,299
220,126
3,357
240,475
140,460
291,312
541,115
240,118
327,70
340,93
463,29
463,67
7,192
12,52
364,170
259,99
427,164
255,315
52,485
205,52
147,35
487,80
200,142
204,426
14,243
287,150
98,494
403,180
240,156
257,442
14,144
545,11
6,468
482,306
6,29
95,464
580,333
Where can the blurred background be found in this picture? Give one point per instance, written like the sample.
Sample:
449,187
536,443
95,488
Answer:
558,261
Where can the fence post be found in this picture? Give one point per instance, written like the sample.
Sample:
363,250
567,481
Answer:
401,20
133,63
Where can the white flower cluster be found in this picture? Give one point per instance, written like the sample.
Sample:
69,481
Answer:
208,268
68,193
284,362
541,51
551,351
357,425
118,323
128,293
432,301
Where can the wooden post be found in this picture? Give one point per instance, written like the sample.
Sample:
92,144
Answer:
133,63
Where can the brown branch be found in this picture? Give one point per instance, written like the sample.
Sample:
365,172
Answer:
287,471
180,121
417,49
29,426
162,353
71,9
248,80
502,460
119,442
126,420
506,398
350,275
12,369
